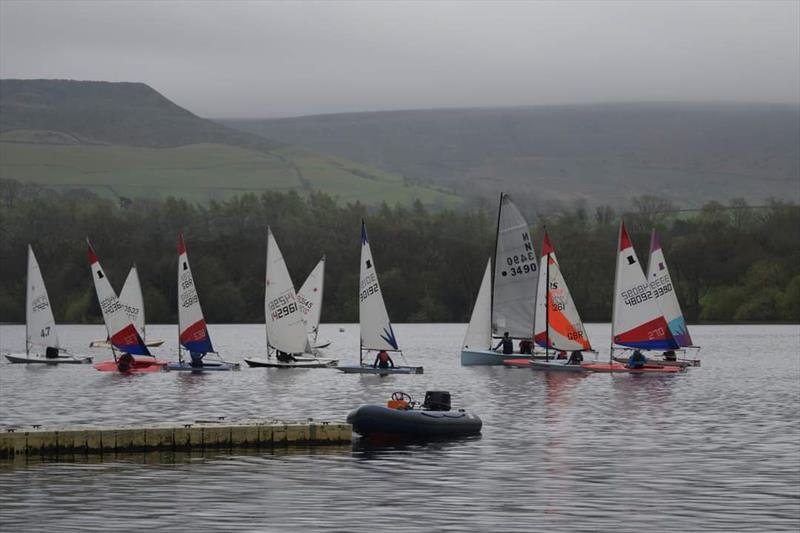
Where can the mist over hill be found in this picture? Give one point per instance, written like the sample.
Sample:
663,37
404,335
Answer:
600,153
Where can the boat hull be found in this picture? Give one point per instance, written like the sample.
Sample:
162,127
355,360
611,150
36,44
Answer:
356,369
319,345
60,360
211,366
141,365
274,363
680,363
150,343
376,420
617,367
557,367
486,358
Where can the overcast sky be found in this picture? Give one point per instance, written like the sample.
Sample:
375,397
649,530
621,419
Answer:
267,59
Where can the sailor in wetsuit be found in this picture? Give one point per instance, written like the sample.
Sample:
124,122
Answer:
125,362
284,357
197,359
637,360
506,343
575,358
382,360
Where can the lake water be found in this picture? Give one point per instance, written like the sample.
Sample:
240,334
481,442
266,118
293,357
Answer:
714,448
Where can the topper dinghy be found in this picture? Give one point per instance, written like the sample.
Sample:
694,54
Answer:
132,300
41,335
637,320
192,328
377,334
135,357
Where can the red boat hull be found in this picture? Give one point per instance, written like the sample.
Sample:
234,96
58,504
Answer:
140,365
617,367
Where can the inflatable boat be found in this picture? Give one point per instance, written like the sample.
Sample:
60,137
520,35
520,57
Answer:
400,418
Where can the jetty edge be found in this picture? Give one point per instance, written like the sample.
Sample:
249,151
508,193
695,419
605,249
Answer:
177,436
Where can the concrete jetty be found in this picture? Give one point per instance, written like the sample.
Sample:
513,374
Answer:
198,435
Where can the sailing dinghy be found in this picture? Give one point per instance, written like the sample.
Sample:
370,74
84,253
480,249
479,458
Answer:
41,334
134,357
192,329
377,334
310,299
287,343
558,326
665,294
637,320
132,300
509,301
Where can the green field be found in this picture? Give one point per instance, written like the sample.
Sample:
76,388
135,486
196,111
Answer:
201,172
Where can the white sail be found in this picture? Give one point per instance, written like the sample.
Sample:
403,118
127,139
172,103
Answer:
132,300
515,275
191,324
376,330
310,298
284,320
664,290
479,331
39,322
121,331
566,331
637,319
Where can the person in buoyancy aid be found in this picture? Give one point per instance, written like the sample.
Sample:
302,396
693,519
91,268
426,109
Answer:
197,359
575,358
669,355
382,360
125,362
284,357
525,346
506,343
637,360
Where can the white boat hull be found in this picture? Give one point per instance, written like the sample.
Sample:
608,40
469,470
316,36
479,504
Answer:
319,345
257,362
356,369
150,343
486,357
60,360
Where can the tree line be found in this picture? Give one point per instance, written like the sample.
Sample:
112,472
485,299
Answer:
729,262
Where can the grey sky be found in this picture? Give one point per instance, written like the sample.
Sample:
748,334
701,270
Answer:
259,59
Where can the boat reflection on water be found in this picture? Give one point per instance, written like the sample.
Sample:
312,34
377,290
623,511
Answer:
379,447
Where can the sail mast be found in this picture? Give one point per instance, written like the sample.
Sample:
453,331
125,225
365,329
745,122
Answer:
614,294
547,306
494,268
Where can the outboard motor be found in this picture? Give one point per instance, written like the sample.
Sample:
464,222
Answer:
437,400
51,353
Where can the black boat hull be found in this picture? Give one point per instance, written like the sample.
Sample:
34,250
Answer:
376,420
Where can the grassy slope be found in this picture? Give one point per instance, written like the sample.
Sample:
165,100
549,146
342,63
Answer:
127,139
204,171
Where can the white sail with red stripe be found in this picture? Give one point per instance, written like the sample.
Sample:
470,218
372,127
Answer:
565,330
637,318
193,330
121,330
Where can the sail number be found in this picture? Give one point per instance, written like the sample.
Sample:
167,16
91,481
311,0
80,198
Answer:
368,287
39,304
110,305
637,294
661,286
520,264
282,306
305,303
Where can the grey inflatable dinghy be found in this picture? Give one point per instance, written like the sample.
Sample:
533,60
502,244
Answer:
401,419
